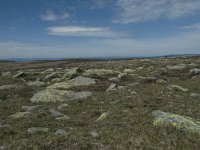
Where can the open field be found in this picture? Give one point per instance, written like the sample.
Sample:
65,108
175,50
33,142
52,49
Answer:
119,117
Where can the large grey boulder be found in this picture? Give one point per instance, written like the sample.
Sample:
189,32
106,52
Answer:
78,81
179,122
52,95
100,72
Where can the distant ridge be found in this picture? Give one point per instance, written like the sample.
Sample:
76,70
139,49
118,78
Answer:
98,58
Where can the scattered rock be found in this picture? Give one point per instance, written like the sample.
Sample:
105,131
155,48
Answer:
73,72
161,81
20,114
61,132
113,87
63,107
100,72
133,92
48,70
6,74
63,118
33,130
36,83
179,122
194,72
122,75
94,134
4,126
177,88
56,80
130,71
51,76
56,114
140,68
195,95
177,67
114,79
9,87
51,95
18,75
30,108
103,116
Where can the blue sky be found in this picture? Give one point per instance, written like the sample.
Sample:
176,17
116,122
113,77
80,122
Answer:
98,28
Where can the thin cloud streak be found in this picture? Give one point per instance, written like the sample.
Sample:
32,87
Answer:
50,15
78,31
131,11
187,43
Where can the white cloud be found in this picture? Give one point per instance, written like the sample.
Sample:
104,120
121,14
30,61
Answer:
52,16
185,43
195,26
83,31
145,10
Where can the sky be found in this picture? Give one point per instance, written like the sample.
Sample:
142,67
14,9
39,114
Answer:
98,28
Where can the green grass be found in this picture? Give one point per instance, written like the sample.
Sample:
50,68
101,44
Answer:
128,126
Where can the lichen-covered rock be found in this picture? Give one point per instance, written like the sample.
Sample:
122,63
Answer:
48,70
114,87
129,71
73,72
179,122
78,81
18,75
36,83
56,80
61,132
52,95
63,118
63,107
6,74
195,95
52,75
30,108
194,72
103,116
100,72
37,130
177,88
20,114
114,79
122,75
177,67
9,87
56,114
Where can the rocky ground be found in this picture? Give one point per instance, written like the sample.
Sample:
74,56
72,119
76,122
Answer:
78,104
